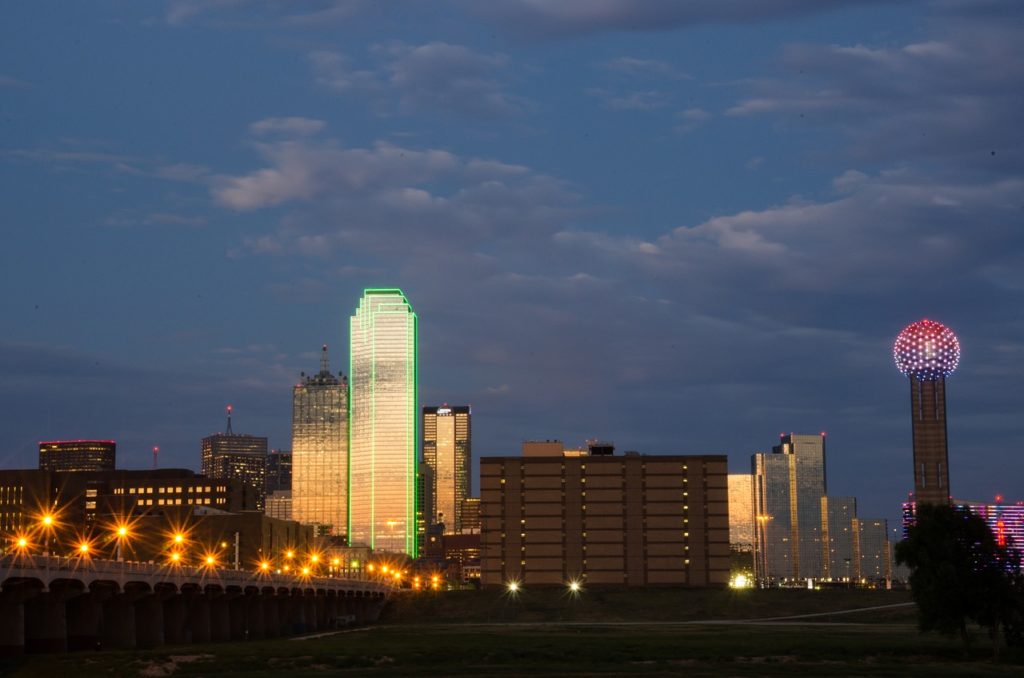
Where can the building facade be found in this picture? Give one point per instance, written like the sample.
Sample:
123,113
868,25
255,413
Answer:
319,482
741,512
447,450
634,520
236,456
279,471
837,537
788,486
872,549
384,422
77,455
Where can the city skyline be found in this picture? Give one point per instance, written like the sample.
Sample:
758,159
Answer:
611,225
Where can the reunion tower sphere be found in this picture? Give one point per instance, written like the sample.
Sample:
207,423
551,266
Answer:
927,351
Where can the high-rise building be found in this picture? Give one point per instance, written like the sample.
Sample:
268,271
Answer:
837,537
872,550
788,486
927,352
279,471
237,456
634,520
383,420
447,447
319,473
741,512
471,515
77,455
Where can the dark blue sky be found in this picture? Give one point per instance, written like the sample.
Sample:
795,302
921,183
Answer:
685,227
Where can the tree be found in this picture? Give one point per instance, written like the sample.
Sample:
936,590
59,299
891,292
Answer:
959,573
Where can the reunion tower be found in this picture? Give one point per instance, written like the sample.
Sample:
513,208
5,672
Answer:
928,352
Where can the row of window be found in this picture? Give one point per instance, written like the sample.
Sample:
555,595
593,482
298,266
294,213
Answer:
163,490
179,501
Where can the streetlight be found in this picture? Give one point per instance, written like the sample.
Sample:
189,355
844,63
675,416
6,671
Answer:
121,534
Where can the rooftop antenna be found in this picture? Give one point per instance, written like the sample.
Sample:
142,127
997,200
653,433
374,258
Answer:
229,431
323,360
156,451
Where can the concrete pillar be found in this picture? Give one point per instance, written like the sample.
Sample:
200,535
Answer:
237,617
176,631
331,609
85,621
118,630
254,616
198,617
149,621
12,625
220,619
320,603
46,628
309,611
271,620
296,616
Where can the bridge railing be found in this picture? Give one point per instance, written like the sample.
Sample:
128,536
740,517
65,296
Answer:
52,567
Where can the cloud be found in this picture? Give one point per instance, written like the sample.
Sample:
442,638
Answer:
435,76
954,97
690,119
630,101
575,17
632,67
294,126
13,83
287,12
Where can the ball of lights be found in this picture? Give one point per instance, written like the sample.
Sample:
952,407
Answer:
926,350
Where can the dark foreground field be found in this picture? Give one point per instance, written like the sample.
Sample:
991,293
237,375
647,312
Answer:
695,633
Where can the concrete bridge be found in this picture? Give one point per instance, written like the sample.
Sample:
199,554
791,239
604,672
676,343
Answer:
53,604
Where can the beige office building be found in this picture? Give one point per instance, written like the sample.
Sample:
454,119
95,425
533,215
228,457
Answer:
447,447
319,489
634,520
741,511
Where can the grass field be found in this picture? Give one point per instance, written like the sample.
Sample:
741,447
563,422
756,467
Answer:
545,632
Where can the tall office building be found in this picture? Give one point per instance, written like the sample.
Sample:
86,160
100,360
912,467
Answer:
872,549
927,352
788,486
447,447
77,455
279,471
741,512
320,450
383,419
837,520
237,456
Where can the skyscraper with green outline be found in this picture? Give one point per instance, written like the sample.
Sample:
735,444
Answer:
383,420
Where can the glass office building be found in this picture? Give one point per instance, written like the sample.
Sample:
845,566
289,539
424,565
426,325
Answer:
383,420
319,459
837,524
447,446
77,455
788,486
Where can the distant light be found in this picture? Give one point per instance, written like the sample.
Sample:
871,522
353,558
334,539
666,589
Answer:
264,566
223,544
574,586
305,570
210,560
178,538
289,554
315,558
513,587
122,531
175,557
740,581
22,542
83,547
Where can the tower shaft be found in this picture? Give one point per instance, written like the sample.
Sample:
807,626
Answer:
931,451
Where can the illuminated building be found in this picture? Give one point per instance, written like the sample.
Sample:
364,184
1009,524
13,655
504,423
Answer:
633,520
87,497
236,456
927,352
320,450
1005,520
788,486
447,448
741,511
383,420
837,537
279,471
279,504
471,515
77,455
872,550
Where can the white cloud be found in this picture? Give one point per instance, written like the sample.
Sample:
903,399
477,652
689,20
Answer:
295,126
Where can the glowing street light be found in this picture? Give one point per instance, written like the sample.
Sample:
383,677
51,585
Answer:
175,558
83,548
265,566
513,587
575,587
